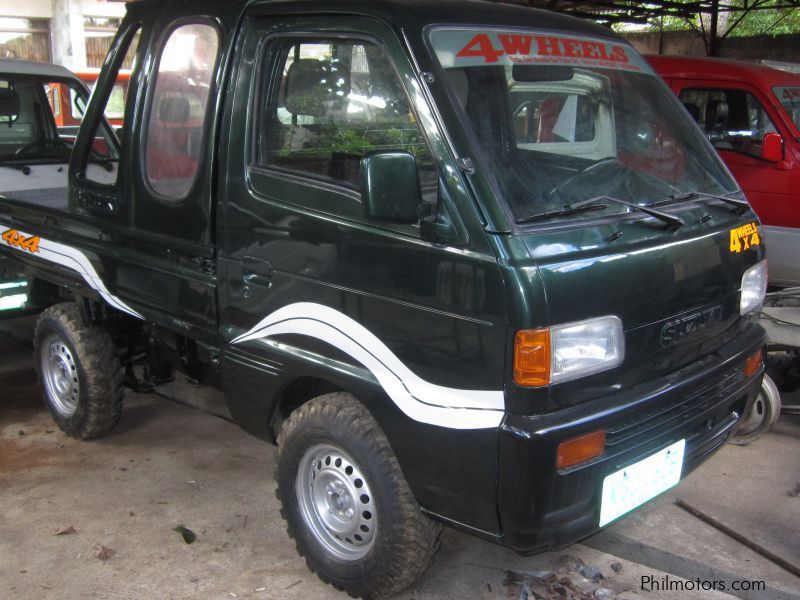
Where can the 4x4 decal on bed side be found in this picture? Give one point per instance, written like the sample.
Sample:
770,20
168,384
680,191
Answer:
68,257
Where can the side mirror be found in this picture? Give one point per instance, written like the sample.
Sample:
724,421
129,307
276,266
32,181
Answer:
390,189
772,147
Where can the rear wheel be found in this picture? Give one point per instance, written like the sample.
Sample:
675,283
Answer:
346,502
78,371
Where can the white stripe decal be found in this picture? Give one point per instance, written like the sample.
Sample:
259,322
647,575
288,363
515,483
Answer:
420,400
76,260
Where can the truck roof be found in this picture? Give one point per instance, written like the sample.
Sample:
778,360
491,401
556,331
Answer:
14,66
721,69
409,14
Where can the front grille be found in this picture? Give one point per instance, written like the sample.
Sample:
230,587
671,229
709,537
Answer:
642,425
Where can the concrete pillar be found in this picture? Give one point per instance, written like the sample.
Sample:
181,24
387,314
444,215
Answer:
66,34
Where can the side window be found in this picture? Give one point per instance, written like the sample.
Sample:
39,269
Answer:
732,119
103,159
334,102
176,121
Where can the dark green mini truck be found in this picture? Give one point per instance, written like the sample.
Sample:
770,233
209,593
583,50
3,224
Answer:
465,263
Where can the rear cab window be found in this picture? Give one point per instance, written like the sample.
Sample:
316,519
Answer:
177,126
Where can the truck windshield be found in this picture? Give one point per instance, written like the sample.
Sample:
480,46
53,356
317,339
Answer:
789,97
561,120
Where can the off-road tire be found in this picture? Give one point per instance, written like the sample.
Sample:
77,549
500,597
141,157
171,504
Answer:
96,407
405,540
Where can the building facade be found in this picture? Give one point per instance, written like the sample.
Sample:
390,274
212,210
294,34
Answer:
73,33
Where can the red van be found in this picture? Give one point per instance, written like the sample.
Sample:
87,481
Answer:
115,108
68,115
751,114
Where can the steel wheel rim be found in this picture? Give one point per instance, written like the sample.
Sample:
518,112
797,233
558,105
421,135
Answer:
336,502
60,375
765,409
756,417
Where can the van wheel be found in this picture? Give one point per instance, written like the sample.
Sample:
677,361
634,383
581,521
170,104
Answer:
78,371
763,413
346,502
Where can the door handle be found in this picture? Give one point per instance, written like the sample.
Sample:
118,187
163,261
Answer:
256,271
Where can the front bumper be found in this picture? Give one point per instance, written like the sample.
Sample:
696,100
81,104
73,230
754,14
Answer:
543,508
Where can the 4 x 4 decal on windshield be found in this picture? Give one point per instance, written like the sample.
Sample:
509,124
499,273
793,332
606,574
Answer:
15,239
745,237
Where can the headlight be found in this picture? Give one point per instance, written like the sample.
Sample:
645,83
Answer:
754,287
569,351
586,347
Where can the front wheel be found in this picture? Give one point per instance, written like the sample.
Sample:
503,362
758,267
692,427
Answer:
346,502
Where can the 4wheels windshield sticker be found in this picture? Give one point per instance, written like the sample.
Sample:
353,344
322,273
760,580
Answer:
68,257
471,48
420,400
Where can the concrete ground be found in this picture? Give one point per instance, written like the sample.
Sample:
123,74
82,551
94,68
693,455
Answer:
168,464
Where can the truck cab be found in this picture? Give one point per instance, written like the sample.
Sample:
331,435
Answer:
751,115
489,276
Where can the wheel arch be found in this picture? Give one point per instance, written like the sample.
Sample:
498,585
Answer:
295,393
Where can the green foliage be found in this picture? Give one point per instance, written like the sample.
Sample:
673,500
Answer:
332,138
765,21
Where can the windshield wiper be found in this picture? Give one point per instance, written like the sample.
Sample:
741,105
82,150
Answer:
674,222
738,204
568,209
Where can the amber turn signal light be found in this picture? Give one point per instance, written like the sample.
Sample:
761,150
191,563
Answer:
580,449
532,357
752,364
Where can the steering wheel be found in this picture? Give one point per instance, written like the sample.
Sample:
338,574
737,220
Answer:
607,172
655,180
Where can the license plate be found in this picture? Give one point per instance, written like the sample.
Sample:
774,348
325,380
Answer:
636,484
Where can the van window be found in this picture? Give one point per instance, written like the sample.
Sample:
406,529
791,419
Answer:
732,119
176,129
789,97
335,101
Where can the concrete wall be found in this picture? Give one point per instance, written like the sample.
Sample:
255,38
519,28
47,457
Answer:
31,9
688,43
43,9
66,34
